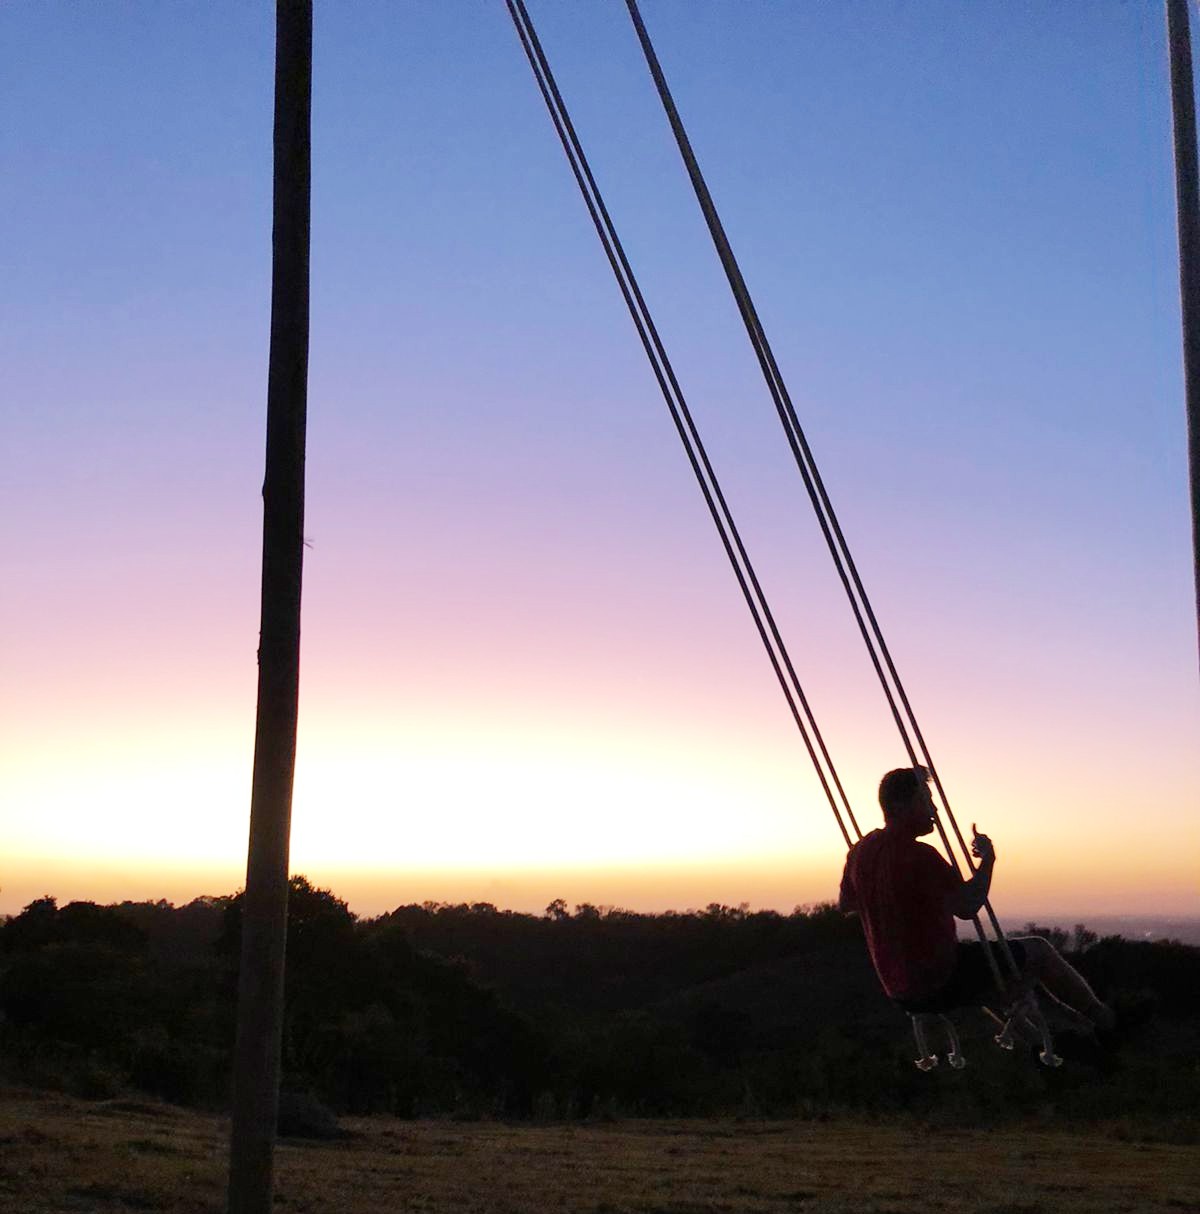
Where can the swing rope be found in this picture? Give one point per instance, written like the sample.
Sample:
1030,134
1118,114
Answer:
889,678
681,415
777,653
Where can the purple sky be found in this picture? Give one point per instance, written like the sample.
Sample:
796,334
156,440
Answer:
527,670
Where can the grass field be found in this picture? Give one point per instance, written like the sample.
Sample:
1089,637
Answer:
61,1154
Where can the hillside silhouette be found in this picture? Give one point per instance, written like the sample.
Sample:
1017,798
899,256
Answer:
469,1010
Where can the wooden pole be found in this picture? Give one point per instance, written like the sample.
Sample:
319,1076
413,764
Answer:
1187,198
264,909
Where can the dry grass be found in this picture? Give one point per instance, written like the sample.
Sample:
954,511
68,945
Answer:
59,1154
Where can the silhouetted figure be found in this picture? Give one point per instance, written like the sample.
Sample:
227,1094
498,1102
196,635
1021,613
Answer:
908,897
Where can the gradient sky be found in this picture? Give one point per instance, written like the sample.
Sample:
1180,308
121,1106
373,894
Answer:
527,670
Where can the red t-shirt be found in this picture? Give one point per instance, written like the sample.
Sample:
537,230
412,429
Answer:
900,888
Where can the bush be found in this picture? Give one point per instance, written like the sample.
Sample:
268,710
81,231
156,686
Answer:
302,1115
169,1070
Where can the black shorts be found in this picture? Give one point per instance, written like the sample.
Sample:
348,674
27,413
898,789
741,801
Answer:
970,983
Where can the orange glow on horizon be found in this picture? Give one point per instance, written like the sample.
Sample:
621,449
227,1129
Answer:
526,808
1024,887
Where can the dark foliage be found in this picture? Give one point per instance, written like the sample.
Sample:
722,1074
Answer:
474,1011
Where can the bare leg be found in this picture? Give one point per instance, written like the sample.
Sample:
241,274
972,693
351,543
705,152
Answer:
1063,982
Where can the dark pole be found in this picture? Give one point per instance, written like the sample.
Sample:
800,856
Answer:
264,908
1187,197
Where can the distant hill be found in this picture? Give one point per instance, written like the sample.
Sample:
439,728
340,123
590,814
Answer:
583,1013
831,984
1183,928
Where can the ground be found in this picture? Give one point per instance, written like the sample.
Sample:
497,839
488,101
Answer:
59,1154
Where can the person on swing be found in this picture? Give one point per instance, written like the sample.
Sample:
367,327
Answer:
908,898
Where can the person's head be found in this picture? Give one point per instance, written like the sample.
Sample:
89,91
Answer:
905,800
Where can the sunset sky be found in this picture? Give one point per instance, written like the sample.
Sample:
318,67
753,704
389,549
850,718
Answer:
527,672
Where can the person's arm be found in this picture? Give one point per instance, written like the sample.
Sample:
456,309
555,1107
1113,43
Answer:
847,902
971,894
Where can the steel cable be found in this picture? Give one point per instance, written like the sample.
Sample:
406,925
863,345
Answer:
706,478
863,611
